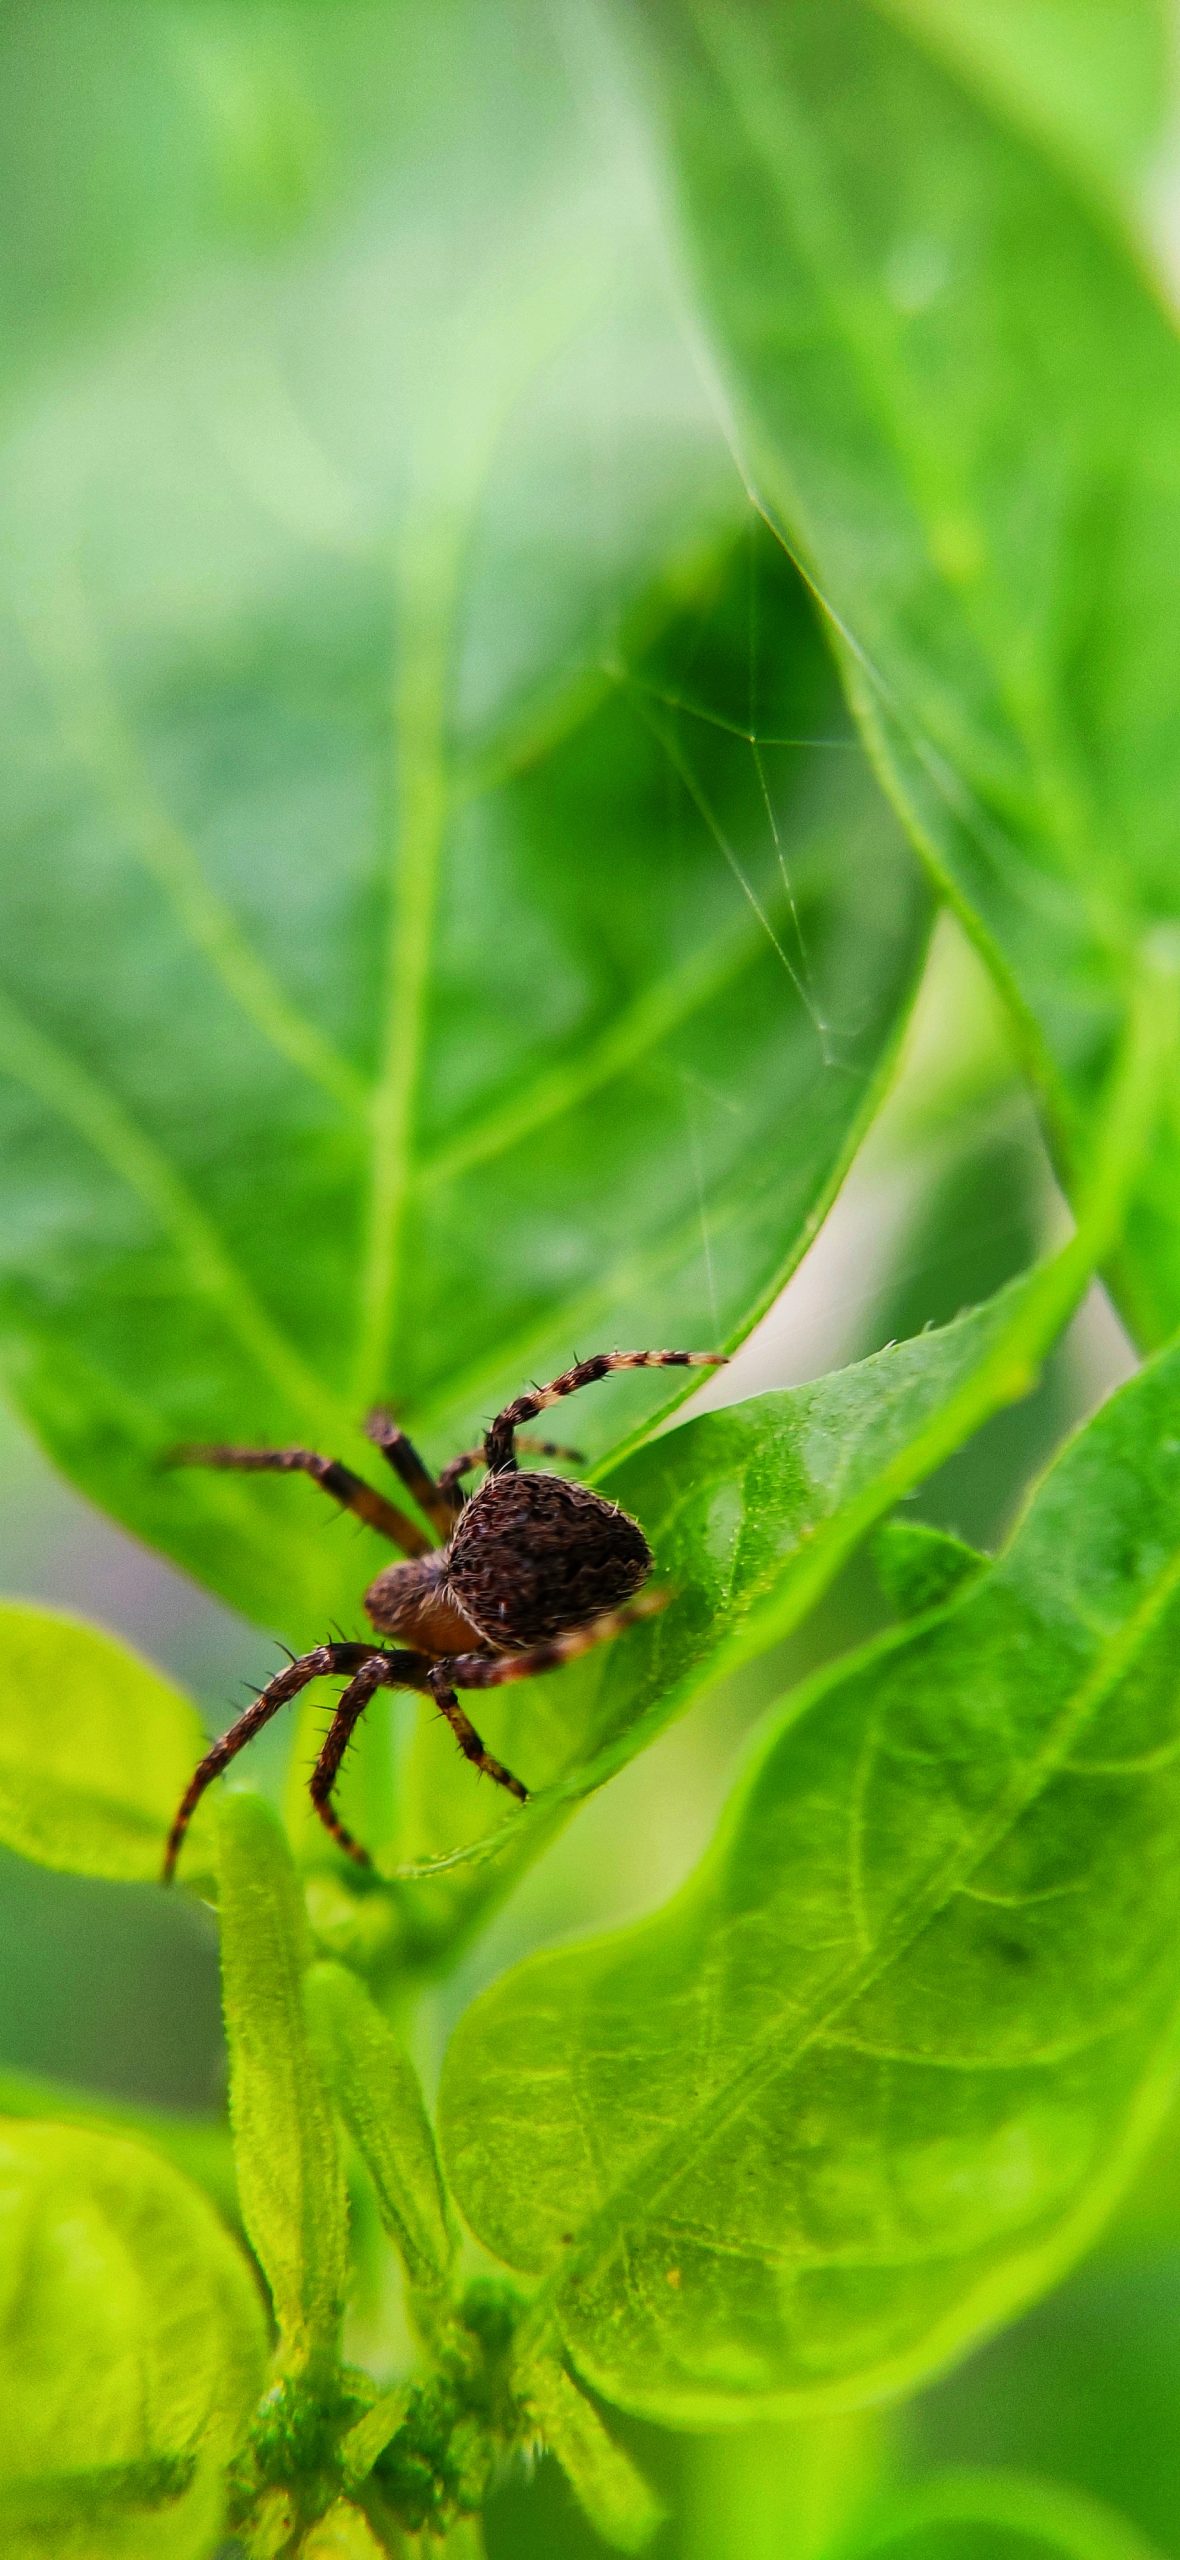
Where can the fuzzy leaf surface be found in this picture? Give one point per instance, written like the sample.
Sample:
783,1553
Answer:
410,968
380,2098
290,2177
131,2340
96,1747
872,2079
958,396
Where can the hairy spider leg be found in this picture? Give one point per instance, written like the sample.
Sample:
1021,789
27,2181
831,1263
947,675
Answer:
494,1670
449,1475
373,1675
286,1685
499,1450
469,1741
350,1491
434,1499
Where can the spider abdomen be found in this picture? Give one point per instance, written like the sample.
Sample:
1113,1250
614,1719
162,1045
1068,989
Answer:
534,1554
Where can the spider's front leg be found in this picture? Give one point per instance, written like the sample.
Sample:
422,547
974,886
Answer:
499,1441
381,1671
278,1692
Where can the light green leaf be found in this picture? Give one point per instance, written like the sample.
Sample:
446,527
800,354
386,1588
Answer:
751,1511
875,2076
164,2510
449,978
605,2481
198,2145
131,2341
1088,79
343,2534
958,397
920,1567
1018,2510
290,2178
96,1747
380,2098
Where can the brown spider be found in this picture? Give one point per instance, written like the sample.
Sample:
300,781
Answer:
531,1570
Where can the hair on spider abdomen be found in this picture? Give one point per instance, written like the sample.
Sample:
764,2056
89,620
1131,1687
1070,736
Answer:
533,1554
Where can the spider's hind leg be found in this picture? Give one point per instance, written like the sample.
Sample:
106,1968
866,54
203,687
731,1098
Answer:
438,1501
349,1490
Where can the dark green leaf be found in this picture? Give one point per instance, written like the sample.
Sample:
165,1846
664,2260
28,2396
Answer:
131,2341
96,1747
380,2097
290,2178
959,398
875,2076
449,979
920,1567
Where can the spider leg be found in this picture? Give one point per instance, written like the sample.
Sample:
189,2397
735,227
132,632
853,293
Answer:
439,1685
499,1450
436,1500
349,1490
449,1475
285,1685
492,1671
371,1676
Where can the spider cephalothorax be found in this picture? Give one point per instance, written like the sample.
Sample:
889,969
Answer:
531,1570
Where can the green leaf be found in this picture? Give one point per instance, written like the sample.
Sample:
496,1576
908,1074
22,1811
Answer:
343,2534
919,1567
131,2341
165,2510
290,2178
958,397
450,978
751,1511
1018,2510
1088,79
198,2145
380,2098
612,2492
96,1747
875,2076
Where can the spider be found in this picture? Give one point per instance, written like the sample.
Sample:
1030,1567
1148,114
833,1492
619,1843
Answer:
531,1570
